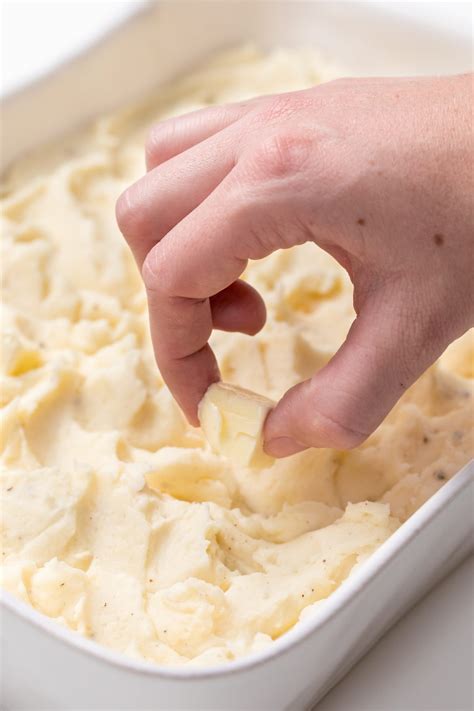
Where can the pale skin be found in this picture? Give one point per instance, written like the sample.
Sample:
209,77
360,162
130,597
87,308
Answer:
377,172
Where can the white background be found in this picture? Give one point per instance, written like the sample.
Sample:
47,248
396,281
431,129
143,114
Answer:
424,662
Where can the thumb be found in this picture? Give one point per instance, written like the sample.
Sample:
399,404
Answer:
387,348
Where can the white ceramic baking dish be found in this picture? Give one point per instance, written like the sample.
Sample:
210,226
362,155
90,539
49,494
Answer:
47,667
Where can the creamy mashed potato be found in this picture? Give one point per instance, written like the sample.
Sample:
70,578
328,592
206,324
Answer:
118,520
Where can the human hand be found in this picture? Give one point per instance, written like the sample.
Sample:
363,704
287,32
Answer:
378,172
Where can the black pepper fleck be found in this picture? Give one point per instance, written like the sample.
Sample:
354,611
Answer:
10,488
61,585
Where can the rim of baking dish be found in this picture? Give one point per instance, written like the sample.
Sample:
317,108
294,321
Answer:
293,637
143,8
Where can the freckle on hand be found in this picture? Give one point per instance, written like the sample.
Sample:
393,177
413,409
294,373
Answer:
361,221
438,239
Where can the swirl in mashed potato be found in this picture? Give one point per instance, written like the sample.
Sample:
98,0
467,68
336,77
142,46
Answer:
118,520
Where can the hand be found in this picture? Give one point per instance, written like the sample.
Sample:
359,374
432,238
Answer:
378,172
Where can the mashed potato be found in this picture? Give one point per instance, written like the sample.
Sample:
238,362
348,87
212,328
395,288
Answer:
118,520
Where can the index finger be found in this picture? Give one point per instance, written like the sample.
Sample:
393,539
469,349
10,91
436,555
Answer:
202,255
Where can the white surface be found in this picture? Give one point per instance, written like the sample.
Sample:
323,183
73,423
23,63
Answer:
422,663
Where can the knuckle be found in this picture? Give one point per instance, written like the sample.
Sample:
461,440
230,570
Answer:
151,146
158,137
149,273
335,433
157,274
153,272
129,217
346,438
122,211
282,155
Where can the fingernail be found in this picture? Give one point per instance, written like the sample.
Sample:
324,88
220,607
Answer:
283,447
